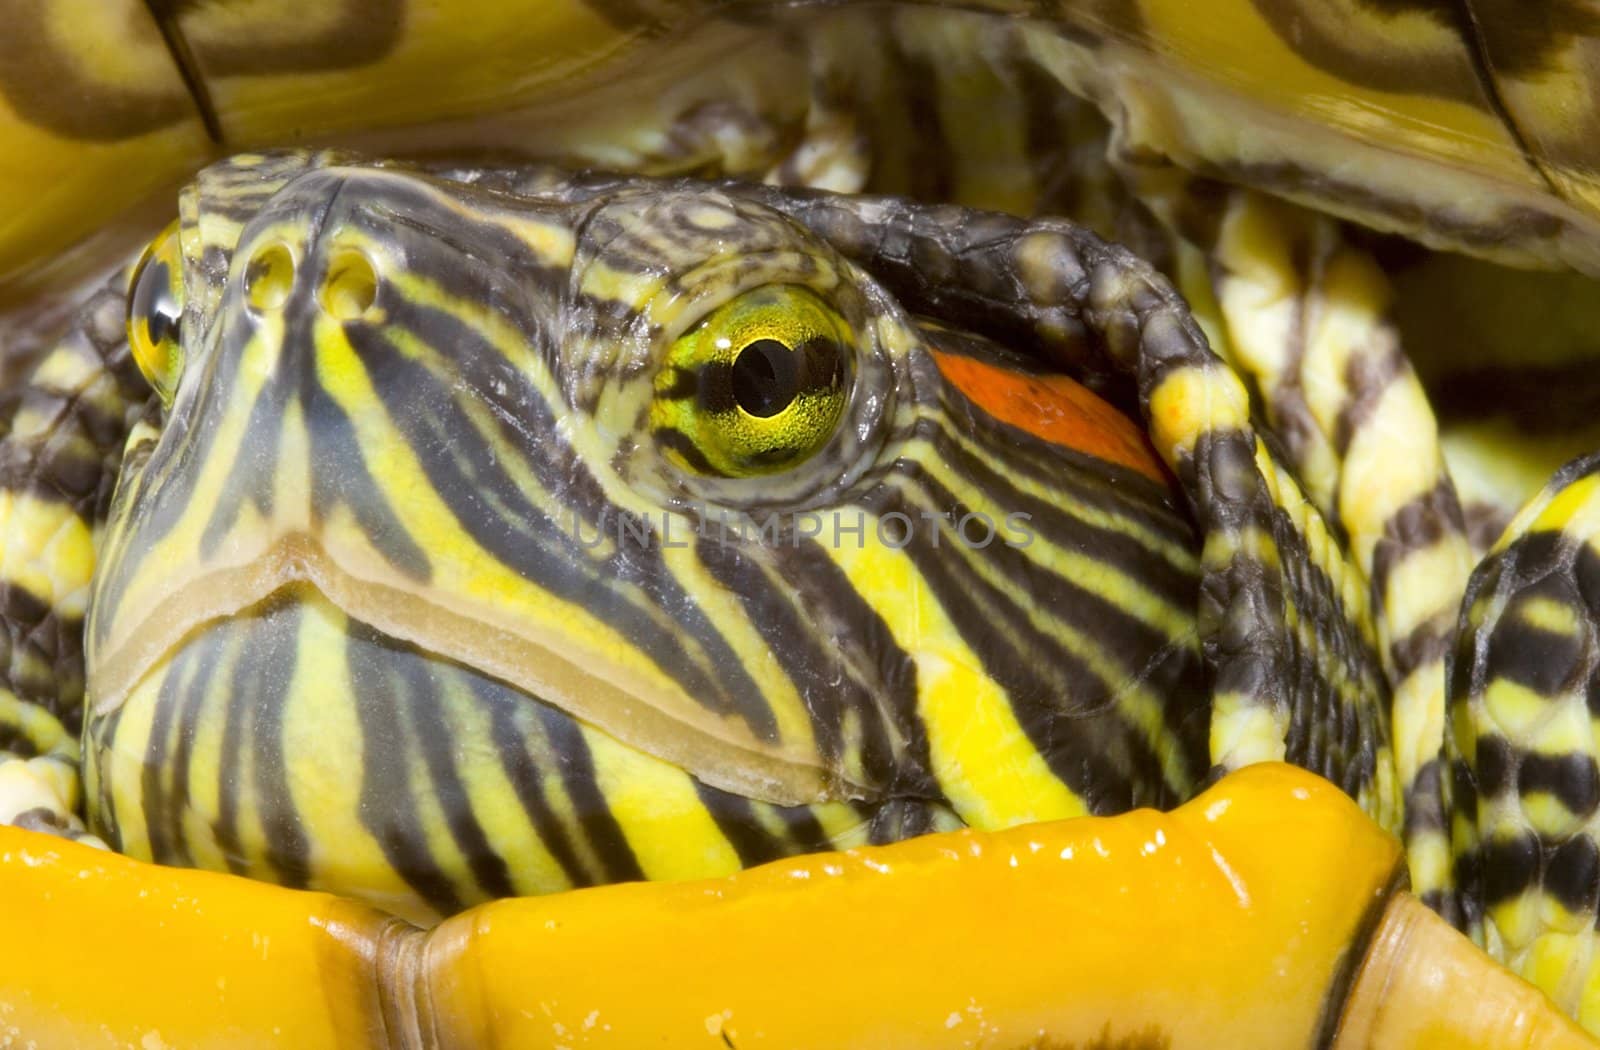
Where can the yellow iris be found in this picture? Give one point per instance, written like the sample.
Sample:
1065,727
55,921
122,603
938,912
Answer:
757,386
155,313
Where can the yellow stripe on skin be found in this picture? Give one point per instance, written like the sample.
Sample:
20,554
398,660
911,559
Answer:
48,551
151,586
981,756
1194,401
319,720
1244,731
1142,707
39,727
1517,710
671,833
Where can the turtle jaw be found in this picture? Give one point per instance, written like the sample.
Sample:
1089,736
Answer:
539,647
292,742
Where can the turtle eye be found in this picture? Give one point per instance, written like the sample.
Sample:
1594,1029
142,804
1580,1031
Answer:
155,313
756,387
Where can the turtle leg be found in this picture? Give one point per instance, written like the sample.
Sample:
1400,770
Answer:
845,950
61,440
1306,317
1524,689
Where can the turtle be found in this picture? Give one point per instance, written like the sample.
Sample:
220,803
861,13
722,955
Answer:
1355,515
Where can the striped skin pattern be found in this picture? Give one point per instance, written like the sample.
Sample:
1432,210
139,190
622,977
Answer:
1524,679
387,536
1278,603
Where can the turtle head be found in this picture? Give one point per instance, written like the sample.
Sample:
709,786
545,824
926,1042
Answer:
485,468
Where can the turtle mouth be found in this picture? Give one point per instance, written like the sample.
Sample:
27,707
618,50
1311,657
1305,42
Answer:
542,656
298,744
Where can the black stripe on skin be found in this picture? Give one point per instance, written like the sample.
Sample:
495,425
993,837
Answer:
1425,811
339,477
237,729
461,467
181,696
600,829
338,467
265,427
1170,667
435,743
1568,870
35,641
815,633
1538,566
736,818
1103,759
1467,863
428,231
1503,768
14,743
804,830
1070,601
1420,523
1080,482
1572,875
1547,662
1367,376
526,778
681,384
267,655
676,442
193,705
861,639
1428,784
389,800
1428,641
814,670
100,800
899,819
1510,867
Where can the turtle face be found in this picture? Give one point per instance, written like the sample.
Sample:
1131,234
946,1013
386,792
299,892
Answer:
497,540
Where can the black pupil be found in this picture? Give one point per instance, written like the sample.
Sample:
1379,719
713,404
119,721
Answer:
768,376
154,304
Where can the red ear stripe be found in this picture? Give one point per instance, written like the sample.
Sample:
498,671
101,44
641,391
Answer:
1053,408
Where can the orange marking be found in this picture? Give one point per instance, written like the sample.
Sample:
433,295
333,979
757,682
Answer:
1055,409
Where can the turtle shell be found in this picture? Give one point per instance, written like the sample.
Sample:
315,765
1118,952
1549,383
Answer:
1463,125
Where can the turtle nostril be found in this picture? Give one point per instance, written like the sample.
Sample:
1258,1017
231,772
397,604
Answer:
268,277
350,287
